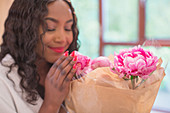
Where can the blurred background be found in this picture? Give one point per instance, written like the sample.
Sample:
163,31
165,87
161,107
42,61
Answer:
106,26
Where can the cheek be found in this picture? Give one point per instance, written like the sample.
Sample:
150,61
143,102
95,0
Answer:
41,45
70,38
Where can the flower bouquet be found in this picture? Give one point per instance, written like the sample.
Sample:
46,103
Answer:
127,82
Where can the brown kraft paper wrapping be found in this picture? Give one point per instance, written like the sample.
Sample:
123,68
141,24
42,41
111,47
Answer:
101,91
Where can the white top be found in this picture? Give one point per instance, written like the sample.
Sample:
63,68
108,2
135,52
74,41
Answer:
11,98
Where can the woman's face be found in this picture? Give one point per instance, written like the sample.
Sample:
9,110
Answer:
59,33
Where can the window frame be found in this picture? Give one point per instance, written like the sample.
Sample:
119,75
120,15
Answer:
141,29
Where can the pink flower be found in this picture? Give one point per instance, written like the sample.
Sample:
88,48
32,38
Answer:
101,62
83,64
136,62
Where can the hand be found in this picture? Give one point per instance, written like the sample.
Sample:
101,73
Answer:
57,82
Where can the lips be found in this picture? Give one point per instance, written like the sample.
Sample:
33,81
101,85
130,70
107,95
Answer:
57,49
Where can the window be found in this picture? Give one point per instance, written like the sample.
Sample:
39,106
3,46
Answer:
158,19
87,13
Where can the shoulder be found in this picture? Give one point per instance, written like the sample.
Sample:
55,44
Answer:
8,80
12,99
6,86
6,99
5,63
4,70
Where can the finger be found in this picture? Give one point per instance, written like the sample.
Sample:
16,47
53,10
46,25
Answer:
55,66
66,83
61,68
69,77
64,73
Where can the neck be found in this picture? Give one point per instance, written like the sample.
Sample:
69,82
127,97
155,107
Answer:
42,68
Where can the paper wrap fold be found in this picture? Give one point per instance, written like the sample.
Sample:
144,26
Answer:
102,91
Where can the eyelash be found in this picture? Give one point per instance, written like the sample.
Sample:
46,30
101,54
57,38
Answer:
68,29
50,29
54,30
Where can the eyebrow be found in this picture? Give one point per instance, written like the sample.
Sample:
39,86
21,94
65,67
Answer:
56,21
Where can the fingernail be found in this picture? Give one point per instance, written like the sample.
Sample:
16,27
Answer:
74,66
72,54
75,58
66,53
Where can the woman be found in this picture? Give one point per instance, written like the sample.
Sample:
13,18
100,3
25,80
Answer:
35,71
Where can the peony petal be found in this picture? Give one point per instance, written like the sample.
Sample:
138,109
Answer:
127,61
140,64
101,62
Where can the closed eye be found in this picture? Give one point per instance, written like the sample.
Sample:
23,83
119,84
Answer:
50,29
68,29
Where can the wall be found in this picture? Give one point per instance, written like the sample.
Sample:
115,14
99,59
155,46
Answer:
4,7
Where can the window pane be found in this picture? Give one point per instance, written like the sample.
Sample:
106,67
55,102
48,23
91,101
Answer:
158,19
120,20
87,13
163,98
108,49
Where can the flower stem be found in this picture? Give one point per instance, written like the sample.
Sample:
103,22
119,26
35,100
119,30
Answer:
140,83
133,81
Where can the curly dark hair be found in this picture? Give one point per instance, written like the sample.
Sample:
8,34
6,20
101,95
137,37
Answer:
21,36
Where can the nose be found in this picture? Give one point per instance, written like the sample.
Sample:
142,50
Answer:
59,36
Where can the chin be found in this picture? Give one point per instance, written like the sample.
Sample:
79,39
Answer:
53,59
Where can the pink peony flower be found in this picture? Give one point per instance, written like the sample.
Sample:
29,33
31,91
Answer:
136,62
83,64
101,62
